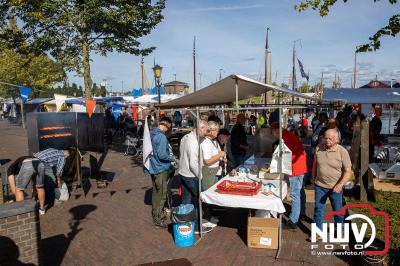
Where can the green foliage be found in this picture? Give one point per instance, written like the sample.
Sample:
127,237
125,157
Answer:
304,88
100,91
391,29
19,66
70,29
39,72
388,202
284,85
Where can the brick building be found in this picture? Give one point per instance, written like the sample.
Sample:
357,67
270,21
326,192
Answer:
176,87
384,84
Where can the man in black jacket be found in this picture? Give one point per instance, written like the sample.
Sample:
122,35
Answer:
239,144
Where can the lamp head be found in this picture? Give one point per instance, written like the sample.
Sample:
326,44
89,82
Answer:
157,71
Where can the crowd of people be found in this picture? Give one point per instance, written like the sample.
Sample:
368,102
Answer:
328,164
204,153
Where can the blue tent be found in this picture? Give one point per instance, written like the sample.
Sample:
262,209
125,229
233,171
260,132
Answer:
155,92
136,92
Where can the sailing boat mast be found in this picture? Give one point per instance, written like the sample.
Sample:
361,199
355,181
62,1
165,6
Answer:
194,64
142,67
267,68
294,67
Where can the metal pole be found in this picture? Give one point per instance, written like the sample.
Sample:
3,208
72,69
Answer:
22,113
158,90
200,175
390,119
280,180
237,93
223,117
355,69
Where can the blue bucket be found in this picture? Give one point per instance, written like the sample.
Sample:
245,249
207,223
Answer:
184,234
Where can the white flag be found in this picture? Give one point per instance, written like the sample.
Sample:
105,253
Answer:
147,147
60,100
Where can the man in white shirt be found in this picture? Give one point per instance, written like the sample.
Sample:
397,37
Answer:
189,164
189,169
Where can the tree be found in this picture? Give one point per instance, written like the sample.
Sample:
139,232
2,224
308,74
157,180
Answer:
19,67
284,85
304,88
71,29
391,29
100,91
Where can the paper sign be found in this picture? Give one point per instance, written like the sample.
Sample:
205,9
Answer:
265,241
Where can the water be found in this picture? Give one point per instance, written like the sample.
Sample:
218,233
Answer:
384,118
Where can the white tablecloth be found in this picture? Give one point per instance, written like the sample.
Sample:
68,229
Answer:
259,201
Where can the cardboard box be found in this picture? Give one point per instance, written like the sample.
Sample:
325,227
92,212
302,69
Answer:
262,232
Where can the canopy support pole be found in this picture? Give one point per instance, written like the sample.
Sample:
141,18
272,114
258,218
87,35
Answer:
237,93
280,181
200,175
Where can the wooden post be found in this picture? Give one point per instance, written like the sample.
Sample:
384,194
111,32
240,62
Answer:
364,160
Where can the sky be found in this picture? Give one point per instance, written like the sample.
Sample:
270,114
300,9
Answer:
230,39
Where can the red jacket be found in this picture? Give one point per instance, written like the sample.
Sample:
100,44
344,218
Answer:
299,156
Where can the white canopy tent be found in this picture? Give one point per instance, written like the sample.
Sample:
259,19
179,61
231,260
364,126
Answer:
151,98
229,90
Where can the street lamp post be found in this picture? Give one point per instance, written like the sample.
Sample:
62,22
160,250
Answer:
157,76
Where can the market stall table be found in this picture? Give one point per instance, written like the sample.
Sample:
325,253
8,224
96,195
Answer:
259,202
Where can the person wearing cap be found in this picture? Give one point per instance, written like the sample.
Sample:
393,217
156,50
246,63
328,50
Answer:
299,168
160,170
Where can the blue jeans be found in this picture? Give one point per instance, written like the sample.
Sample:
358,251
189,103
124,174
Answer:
321,195
190,189
49,185
298,196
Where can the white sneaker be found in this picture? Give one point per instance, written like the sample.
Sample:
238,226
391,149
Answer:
209,224
205,230
42,211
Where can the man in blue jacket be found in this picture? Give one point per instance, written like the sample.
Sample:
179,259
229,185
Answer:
160,170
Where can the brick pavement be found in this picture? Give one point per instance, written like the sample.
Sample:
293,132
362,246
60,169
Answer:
112,226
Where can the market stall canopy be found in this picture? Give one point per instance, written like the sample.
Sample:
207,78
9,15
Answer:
151,98
224,92
364,95
38,101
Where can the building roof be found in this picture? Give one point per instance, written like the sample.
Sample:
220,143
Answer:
176,83
382,84
363,95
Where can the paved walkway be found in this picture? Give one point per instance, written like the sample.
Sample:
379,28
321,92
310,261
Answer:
113,226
